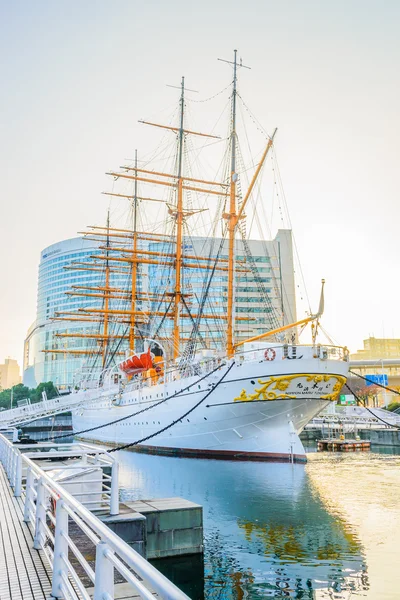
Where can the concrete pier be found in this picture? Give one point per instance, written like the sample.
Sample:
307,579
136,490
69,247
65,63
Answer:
174,526
159,528
382,437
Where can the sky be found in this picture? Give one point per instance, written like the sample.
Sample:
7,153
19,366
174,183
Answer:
77,76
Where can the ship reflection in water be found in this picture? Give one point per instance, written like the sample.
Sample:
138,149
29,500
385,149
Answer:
278,530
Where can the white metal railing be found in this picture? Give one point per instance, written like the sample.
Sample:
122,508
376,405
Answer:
91,460
31,412
40,493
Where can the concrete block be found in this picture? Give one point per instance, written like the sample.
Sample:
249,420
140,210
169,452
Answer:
181,519
163,527
188,538
160,544
130,527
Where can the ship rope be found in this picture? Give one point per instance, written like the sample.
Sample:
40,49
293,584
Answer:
143,410
279,193
262,290
385,387
186,414
361,401
211,97
190,348
282,195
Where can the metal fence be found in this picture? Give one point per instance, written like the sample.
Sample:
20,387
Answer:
53,512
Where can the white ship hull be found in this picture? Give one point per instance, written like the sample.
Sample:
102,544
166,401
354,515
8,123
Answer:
253,409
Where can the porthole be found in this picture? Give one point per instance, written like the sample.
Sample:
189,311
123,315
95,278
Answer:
205,418
252,382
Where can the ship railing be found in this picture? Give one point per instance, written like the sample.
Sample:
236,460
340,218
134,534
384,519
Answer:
69,534
196,369
294,351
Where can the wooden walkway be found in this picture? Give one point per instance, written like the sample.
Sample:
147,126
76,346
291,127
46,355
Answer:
24,572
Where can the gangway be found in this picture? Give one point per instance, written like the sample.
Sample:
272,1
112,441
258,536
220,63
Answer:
39,410
356,416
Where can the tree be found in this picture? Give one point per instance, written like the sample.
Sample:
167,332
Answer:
367,393
21,392
48,387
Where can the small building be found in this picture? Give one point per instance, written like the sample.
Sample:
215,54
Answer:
9,374
378,348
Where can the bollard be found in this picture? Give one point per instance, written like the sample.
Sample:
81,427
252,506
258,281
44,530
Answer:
60,549
104,580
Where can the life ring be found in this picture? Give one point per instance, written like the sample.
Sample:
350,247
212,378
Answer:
270,354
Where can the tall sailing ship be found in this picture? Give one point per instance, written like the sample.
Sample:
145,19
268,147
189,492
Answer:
169,370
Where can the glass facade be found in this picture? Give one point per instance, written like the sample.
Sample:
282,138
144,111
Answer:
55,279
264,295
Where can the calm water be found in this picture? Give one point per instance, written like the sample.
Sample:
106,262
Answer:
328,529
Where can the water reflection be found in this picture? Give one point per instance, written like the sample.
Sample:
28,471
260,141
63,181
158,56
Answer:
362,490
268,531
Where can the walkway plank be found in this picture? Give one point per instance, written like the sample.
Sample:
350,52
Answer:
24,572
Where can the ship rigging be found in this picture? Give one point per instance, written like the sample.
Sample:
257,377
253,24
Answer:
195,309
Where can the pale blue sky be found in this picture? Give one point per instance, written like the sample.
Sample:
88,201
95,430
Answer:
76,76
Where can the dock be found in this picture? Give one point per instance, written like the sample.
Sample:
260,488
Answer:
24,572
338,445
40,556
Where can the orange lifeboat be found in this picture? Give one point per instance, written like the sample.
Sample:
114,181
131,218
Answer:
137,363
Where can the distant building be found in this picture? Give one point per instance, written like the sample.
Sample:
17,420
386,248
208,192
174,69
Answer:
378,348
54,280
9,374
264,286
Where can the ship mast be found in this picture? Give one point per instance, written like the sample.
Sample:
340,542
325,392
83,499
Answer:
232,219
106,296
134,264
179,231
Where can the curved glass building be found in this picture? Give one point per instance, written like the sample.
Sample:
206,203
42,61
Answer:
55,279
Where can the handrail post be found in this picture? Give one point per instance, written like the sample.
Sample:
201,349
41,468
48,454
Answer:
18,475
104,579
8,460
60,548
29,496
40,514
13,467
114,496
